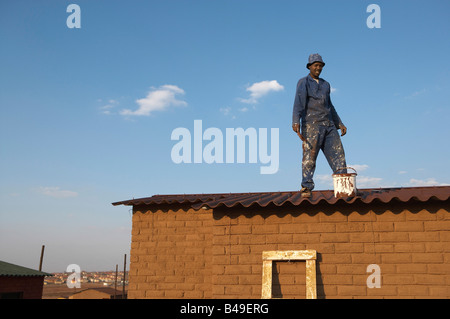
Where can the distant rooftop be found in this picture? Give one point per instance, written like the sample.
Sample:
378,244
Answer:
262,199
7,269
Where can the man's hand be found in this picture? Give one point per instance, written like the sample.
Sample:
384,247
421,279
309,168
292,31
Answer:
296,128
343,129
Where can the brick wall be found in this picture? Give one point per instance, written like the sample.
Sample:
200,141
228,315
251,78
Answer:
178,252
31,287
170,253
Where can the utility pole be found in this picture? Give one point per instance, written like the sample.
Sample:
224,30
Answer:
124,275
115,283
42,258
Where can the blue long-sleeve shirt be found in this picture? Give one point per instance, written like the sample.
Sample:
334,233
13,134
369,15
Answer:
312,103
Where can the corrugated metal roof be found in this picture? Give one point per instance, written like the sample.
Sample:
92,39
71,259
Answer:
385,195
7,269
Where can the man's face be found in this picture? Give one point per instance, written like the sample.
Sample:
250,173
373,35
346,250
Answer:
315,69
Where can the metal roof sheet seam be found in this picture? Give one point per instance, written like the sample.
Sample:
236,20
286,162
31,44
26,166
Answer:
263,199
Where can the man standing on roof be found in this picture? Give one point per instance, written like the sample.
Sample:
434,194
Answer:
319,124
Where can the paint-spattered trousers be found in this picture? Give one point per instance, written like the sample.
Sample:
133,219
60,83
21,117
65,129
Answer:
323,137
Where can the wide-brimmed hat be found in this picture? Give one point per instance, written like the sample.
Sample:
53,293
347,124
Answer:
313,58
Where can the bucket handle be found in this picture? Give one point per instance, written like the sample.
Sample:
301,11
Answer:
345,168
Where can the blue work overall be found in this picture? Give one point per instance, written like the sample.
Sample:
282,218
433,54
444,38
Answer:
319,124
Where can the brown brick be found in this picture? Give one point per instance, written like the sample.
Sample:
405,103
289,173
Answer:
409,226
305,238
334,238
358,217
241,229
351,291
443,214
226,280
305,218
409,247
367,237
365,258
152,294
423,236
421,215
427,258
444,235
350,227
443,269
278,219
440,292
250,280
400,258
252,239
397,279
326,269
279,239
427,279
394,237
322,228
412,290
411,268
322,248
337,279
351,269
238,269
264,229
336,258
333,217
349,248
384,291
370,248
238,290
378,226
251,220
195,294
239,249
293,228
437,225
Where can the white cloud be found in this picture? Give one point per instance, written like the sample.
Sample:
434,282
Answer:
416,93
325,179
106,109
56,192
227,112
428,182
359,167
260,89
158,99
368,181
332,90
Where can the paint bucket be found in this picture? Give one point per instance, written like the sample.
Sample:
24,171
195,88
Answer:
344,184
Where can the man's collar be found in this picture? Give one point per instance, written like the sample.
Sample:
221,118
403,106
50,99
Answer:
312,79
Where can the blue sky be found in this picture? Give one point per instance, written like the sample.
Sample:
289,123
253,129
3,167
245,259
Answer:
87,114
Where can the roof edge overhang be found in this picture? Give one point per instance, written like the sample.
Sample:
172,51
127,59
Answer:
264,199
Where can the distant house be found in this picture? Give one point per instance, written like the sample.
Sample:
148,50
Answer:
17,282
382,243
98,293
